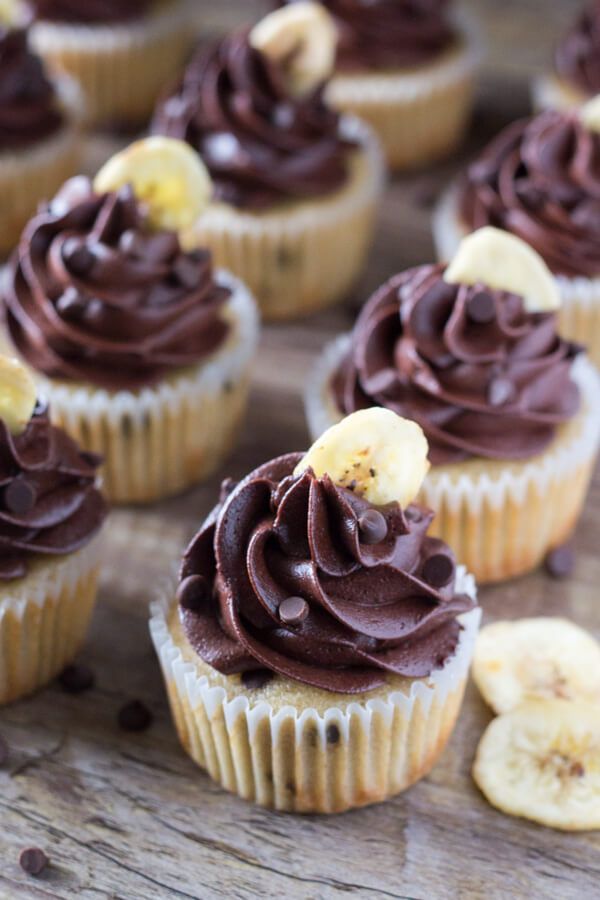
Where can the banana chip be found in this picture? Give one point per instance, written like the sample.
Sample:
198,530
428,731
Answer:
18,394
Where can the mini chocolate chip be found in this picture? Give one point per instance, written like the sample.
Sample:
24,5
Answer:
33,860
19,496
293,610
76,678
481,308
70,304
227,486
438,570
186,270
256,678
560,561
192,592
134,716
78,256
3,751
413,514
500,391
373,527
333,734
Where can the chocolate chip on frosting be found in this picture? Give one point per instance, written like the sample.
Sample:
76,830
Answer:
19,496
373,527
78,256
293,610
192,592
70,304
481,308
438,570
33,860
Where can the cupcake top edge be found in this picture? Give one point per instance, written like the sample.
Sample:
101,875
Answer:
300,575
96,294
577,54
261,125
389,34
540,180
481,374
50,504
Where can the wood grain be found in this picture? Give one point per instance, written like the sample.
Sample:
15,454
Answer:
125,816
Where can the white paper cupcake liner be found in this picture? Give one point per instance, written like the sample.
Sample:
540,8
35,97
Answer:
579,316
499,517
44,618
304,255
162,439
355,752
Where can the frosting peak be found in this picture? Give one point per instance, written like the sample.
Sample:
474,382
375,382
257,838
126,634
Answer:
480,375
577,56
295,574
260,144
93,295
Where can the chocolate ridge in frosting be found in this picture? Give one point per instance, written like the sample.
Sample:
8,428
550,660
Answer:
49,502
540,179
94,295
482,377
261,145
285,580
29,108
577,55
90,12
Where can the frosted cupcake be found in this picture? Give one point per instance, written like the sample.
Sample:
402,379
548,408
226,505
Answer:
121,52
142,348
296,186
39,139
540,180
50,514
576,74
316,649
511,410
407,67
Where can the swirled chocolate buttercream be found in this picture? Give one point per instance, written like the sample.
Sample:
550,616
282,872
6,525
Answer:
577,56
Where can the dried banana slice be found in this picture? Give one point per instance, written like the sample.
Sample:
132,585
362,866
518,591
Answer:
590,114
18,394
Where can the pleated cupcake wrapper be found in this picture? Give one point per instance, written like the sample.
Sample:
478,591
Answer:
579,315
122,67
158,441
306,255
548,92
301,760
33,174
44,618
419,116
500,524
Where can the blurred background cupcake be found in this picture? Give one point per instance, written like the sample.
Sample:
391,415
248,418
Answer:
296,186
50,514
122,52
407,67
142,348
39,129
511,411
284,685
575,77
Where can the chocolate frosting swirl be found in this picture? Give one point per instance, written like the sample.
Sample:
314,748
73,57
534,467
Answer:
388,34
93,295
482,377
540,179
368,608
90,12
49,503
261,145
577,56
29,109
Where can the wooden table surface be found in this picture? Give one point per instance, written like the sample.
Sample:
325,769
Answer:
130,816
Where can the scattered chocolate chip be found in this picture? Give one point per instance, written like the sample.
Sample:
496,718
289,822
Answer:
560,561
186,270
70,305
227,486
438,570
78,256
373,527
33,860
134,716
293,610
256,678
193,592
481,308
500,391
3,751
76,678
332,734
19,496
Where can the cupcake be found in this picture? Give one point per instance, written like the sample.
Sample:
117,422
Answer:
576,74
511,411
540,180
50,514
142,348
121,52
407,67
39,132
316,648
296,186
